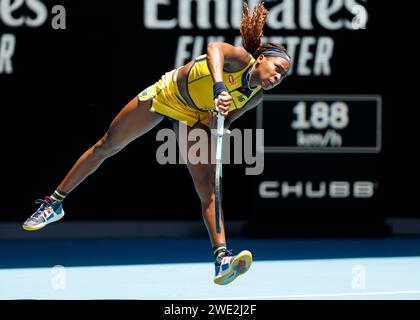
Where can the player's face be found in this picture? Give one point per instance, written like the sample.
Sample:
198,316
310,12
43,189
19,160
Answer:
270,71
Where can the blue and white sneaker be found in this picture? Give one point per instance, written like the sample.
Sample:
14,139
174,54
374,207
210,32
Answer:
229,267
45,214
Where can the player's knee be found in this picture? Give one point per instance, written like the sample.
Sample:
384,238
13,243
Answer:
106,147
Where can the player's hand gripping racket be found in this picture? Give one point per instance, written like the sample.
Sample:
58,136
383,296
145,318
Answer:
219,174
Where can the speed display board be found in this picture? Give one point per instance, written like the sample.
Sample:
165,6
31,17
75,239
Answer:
321,123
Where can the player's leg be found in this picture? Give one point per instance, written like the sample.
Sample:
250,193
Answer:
132,121
203,178
227,266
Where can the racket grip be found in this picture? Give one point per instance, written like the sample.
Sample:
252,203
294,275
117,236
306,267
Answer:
220,124
219,136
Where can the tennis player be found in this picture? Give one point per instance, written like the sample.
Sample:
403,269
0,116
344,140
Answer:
227,79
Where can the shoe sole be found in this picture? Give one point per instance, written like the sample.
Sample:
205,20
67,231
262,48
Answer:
240,265
42,225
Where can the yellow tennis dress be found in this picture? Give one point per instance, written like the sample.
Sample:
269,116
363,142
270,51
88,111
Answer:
167,100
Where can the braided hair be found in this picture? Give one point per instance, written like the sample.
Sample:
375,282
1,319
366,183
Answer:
252,31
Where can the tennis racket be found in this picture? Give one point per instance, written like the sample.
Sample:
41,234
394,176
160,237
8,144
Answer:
219,173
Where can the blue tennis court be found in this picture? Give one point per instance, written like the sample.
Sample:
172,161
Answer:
167,269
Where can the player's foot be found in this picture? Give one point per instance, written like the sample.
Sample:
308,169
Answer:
48,212
229,267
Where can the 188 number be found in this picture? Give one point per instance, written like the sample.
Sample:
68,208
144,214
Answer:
321,116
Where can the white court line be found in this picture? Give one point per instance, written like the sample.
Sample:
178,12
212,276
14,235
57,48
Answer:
317,295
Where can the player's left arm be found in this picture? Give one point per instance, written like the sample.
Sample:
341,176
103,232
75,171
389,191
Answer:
235,114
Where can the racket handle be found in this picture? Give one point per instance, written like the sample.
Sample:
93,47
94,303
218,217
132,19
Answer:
219,136
220,124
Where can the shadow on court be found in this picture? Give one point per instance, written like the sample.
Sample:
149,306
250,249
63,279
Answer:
46,253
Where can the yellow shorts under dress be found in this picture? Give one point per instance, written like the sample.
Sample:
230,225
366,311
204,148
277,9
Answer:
167,101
